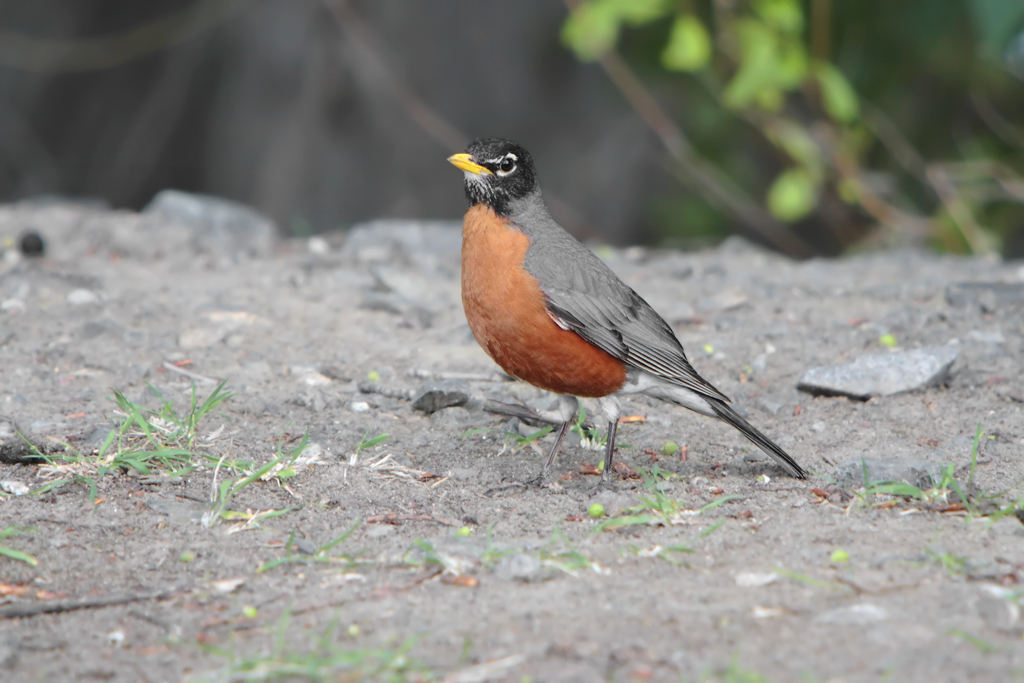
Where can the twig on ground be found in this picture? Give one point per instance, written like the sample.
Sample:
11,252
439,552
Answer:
31,609
395,519
202,379
368,387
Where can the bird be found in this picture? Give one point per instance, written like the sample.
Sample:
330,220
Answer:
551,313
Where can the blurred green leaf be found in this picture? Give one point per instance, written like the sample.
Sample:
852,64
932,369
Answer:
637,12
837,94
770,99
769,64
784,15
848,190
792,195
757,52
791,64
797,142
689,45
592,29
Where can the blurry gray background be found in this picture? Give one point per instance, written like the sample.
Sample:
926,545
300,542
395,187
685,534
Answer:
312,111
325,113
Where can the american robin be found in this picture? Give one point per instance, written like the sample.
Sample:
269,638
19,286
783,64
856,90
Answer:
551,313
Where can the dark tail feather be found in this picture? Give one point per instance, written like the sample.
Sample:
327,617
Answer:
729,415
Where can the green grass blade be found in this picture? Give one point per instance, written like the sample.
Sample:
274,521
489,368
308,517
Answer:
896,488
619,522
341,538
710,530
974,455
18,555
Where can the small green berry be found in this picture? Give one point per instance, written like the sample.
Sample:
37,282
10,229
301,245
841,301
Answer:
187,556
669,448
596,510
839,556
249,612
464,532
888,340
373,375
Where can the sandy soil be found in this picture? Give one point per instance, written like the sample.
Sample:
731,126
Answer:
927,592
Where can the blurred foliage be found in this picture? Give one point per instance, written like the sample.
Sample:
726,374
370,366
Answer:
859,124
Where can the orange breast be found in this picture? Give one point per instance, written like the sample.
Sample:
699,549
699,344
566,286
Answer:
506,311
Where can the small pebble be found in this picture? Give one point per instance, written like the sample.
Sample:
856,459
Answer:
79,297
518,566
756,579
318,245
15,488
31,244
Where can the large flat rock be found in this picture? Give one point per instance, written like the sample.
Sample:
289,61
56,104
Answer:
881,374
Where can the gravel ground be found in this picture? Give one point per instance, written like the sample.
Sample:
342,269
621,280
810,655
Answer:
454,569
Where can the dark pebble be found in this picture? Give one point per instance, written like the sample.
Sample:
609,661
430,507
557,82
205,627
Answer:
31,244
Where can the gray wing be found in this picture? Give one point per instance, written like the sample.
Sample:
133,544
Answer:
592,301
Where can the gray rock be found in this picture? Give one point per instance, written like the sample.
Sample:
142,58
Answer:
80,297
435,396
917,472
44,426
98,434
426,244
775,401
988,296
520,567
451,418
464,473
177,510
315,399
220,227
881,374
415,314
999,613
985,337
304,546
201,337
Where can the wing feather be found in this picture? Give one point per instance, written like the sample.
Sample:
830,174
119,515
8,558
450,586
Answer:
584,293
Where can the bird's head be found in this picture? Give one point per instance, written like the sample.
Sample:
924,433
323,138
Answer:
497,172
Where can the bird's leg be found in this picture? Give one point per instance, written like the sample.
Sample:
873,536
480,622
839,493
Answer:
610,449
610,407
554,449
567,406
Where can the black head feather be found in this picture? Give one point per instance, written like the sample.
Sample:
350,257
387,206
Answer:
512,174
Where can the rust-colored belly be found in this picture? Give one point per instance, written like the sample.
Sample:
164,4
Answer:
507,313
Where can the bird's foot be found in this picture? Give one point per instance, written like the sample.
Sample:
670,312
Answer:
603,484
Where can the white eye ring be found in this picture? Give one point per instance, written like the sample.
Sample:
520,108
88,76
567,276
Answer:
507,164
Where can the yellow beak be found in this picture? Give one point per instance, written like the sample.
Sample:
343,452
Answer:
466,163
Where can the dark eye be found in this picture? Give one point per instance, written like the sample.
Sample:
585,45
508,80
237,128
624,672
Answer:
507,165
